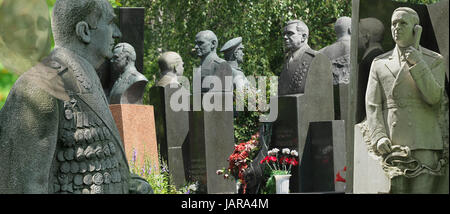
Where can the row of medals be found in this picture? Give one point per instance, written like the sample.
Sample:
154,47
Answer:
87,162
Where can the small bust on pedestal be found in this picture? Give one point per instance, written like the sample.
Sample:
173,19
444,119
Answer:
130,86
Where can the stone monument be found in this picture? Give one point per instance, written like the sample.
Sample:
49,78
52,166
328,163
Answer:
211,142
407,111
25,34
130,86
135,121
305,83
339,52
172,126
57,134
370,37
234,55
339,55
171,66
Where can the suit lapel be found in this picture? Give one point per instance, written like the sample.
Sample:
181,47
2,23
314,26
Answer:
393,65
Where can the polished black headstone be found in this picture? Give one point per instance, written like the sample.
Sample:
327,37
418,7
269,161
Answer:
323,158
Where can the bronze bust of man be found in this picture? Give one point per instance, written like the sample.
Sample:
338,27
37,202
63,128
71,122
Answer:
130,86
300,59
57,134
206,44
404,95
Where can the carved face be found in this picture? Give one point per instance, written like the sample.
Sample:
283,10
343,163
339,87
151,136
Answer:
402,27
203,45
239,53
293,39
25,30
119,60
179,69
102,37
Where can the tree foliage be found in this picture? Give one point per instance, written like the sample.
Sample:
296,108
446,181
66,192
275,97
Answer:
172,25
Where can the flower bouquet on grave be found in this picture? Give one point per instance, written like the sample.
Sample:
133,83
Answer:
242,155
279,164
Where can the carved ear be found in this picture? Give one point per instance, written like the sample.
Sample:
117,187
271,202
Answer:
349,31
214,43
83,32
304,37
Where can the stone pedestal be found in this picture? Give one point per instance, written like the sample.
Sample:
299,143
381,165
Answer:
172,129
368,175
211,143
341,101
324,156
136,124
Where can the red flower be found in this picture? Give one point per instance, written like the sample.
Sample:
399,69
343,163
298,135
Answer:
293,162
266,159
339,178
273,158
345,168
285,160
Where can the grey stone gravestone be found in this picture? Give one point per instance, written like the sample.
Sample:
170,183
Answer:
211,126
305,95
323,157
172,132
211,142
439,17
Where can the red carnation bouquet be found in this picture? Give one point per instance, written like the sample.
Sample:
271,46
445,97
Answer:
242,155
281,164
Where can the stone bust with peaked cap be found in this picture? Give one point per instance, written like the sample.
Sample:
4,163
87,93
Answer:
234,55
57,134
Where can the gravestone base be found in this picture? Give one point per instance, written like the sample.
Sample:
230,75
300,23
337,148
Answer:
368,175
211,142
324,157
295,112
172,132
136,125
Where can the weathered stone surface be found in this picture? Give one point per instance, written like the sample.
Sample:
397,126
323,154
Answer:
369,177
59,98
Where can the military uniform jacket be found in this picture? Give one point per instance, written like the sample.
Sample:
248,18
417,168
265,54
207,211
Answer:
403,102
57,134
296,68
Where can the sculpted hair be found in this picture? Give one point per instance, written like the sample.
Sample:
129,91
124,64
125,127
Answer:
342,25
168,60
127,49
211,36
410,11
67,14
374,27
301,26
